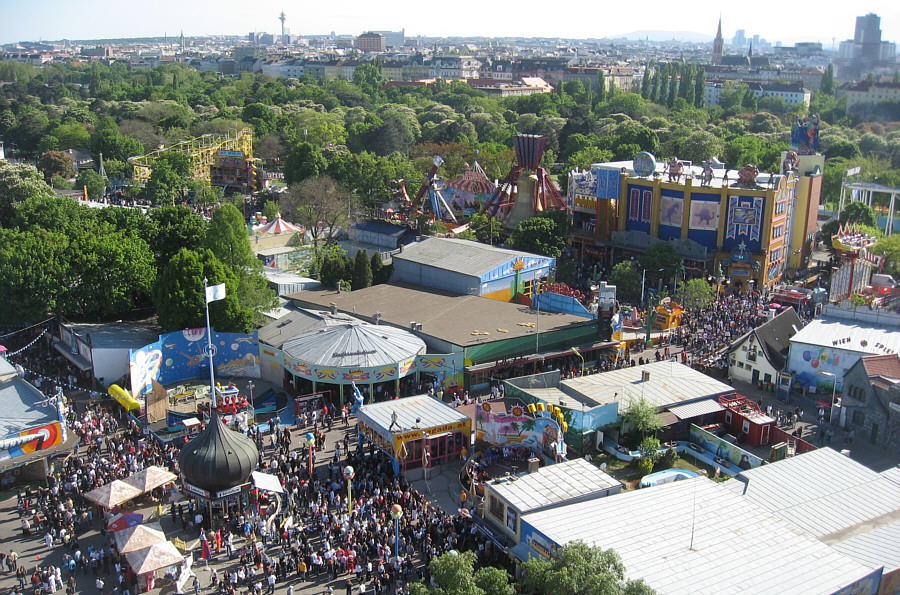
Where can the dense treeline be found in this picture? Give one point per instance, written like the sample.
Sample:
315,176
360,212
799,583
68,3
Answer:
364,136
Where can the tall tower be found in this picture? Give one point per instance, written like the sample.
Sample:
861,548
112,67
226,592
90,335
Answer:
718,45
182,42
281,18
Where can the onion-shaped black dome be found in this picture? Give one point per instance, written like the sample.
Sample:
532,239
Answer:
218,458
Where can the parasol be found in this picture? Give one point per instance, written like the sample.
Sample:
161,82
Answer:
139,538
3,348
150,478
155,557
112,494
124,521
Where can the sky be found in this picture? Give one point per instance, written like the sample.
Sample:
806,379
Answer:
773,20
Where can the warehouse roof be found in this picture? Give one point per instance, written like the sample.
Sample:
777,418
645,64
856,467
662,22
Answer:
696,537
461,256
831,497
462,320
851,335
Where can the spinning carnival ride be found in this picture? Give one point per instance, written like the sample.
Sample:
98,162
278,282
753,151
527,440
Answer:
433,185
527,188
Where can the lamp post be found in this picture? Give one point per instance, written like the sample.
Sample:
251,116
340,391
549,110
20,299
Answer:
250,387
349,474
578,353
396,514
833,393
311,442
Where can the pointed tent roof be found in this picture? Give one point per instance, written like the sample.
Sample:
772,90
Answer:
112,494
151,477
218,458
277,226
355,346
138,537
473,180
155,557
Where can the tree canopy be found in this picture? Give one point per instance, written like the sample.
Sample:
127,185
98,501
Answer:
580,569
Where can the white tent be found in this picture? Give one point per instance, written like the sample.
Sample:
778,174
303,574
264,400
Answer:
139,537
155,557
266,482
113,494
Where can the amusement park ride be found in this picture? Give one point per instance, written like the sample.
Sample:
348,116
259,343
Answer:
433,185
852,245
527,188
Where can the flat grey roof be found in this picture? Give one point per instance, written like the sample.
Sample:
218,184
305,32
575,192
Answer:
451,317
696,537
670,383
117,335
430,411
831,497
863,337
460,256
554,485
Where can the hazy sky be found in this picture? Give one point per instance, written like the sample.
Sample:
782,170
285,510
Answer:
774,20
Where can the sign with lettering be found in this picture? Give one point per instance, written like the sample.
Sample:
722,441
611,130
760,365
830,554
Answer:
644,164
465,425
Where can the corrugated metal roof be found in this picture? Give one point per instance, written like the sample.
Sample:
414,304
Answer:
694,537
878,547
355,345
892,474
460,256
832,497
670,383
696,409
20,412
863,338
554,485
430,411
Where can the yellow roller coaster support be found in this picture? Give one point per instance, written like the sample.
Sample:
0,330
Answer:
202,152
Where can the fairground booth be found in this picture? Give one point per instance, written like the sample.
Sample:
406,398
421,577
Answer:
415,432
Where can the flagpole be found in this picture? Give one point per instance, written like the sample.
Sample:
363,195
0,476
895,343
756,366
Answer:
209,349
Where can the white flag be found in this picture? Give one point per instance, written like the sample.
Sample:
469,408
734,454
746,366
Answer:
215,292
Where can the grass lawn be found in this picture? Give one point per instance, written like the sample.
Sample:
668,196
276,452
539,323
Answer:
631,477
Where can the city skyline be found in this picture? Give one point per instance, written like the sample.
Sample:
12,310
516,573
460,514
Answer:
54,20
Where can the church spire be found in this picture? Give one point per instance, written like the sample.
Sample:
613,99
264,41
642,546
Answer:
718,49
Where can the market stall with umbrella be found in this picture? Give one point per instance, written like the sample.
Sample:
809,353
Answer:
150,478
144,562
139,537
113,494
121,521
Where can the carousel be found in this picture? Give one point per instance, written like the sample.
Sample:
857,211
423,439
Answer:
373,357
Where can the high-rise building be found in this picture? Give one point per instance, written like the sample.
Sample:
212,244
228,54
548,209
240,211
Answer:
740,38
866,52
868,35
718,46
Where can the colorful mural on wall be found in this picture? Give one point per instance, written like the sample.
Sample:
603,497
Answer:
179,356
731,452
497,427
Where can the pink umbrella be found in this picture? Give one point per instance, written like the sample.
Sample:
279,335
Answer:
3,348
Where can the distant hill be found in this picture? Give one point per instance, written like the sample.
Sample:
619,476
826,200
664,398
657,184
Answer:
688,36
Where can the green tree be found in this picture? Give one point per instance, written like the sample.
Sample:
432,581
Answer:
34,266
56,163
646,85
660,255
303,161
827,85
455,574
228,239
165,184
332,265
19,183
627,280
174,228
580,569
378,269
538,235
844,149
889,246
641,417
362,271
180,301
695,294
96,185
700,88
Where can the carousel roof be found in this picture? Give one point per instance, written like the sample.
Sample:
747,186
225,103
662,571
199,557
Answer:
277,226
473,180
355,345
218,458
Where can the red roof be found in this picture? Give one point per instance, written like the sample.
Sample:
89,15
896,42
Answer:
887,366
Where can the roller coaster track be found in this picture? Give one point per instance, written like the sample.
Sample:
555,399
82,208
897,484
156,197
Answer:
202,152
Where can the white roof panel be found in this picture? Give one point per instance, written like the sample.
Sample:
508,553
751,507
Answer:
554,485
696,409
863,337
430,411
694,537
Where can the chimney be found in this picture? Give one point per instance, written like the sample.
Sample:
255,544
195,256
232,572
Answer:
412,325
645,376
333,307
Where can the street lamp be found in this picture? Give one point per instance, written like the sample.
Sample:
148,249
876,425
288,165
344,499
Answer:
250,387
833,392
578,353
396,514
311,442
349,474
